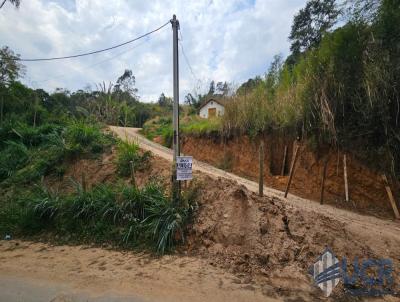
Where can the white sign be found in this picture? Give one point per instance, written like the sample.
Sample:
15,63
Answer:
184,167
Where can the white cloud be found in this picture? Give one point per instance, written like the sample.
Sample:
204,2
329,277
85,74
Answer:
224,40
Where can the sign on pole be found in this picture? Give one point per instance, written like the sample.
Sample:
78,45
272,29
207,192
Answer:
184,167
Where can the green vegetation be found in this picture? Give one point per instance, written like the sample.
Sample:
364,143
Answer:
338,87
198,126
28,153
161,127
128,152
41,134
117,214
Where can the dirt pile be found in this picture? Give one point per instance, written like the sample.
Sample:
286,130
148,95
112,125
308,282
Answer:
264,240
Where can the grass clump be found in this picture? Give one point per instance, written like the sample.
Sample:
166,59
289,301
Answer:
86,137
128,152
190,124
121,215
196,125
29,153
159,127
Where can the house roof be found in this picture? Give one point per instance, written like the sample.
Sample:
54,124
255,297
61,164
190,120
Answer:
217,100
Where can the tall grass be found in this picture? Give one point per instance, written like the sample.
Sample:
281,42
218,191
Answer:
128,152
120,214
27,152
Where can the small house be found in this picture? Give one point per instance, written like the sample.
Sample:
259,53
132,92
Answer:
213,107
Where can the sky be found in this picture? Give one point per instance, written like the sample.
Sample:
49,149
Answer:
224,40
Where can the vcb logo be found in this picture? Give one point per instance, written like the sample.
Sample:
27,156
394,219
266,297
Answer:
368,277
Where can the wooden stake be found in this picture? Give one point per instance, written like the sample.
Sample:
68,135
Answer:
292,167
261,170
133,180
346,185
321,200
391,198
84,182
284,161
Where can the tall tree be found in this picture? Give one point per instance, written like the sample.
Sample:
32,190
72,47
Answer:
164,101
10,67
311,23
16,3
126,83
211,90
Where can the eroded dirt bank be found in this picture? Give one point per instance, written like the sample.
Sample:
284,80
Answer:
240,156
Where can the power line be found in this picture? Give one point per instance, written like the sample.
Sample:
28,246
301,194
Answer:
96,51
97,63
186,58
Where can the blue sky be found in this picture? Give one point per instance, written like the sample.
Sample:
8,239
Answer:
224,40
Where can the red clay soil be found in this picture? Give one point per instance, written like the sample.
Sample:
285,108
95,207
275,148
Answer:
240,156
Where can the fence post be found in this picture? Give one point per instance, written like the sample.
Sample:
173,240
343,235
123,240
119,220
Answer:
261,170
284,161
133,180
321,200
391,198
292,167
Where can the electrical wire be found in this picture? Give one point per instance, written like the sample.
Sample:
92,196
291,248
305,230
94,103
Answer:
186,58
97,63
96,51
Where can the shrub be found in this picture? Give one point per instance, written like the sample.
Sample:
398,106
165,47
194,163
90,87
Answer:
83,136
128,152
12,158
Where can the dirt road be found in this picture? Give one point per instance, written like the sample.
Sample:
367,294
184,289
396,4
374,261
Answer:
38,272
355,222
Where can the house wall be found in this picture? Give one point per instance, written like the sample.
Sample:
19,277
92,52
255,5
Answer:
204,111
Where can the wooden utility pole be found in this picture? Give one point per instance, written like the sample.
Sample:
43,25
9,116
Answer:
321,200
284,161
261,170
391,198
175,121
292,168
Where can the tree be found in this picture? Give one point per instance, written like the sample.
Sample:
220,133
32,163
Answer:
191,100
16,3
222,88
211,90
164,101
311,23
249,85
126,83
10,68
272,77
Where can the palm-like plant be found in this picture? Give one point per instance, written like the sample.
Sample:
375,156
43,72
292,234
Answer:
16,3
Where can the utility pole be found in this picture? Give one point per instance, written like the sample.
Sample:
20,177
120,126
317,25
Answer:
176,145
